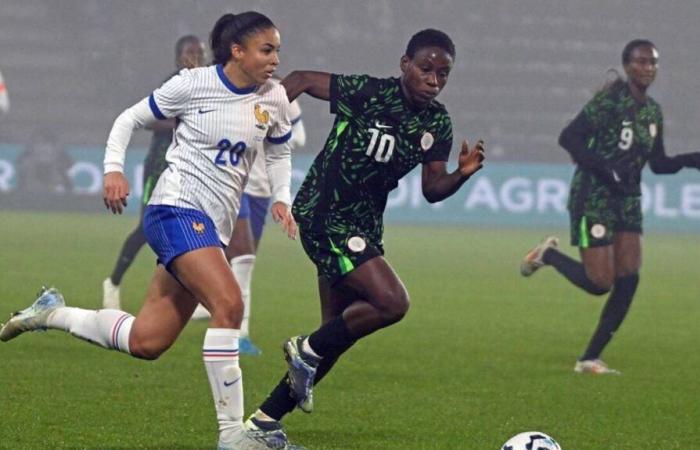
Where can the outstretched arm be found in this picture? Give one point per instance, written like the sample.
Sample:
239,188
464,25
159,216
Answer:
661,163
316,84
438,184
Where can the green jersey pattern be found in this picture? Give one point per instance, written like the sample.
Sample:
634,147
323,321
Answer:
155,163
626,133
377,138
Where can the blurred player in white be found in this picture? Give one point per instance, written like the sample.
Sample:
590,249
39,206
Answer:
224,114
4,98
250,224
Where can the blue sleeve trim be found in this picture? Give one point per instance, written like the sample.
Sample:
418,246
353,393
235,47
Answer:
281,139
154,108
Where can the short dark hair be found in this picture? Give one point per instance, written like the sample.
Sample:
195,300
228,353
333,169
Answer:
631,45
234,29
430,38
182,42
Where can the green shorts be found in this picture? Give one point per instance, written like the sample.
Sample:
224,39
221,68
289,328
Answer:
595,217
338,252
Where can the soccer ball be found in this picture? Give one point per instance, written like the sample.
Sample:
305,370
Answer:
531,440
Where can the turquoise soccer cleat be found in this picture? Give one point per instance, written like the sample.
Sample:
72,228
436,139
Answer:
34,317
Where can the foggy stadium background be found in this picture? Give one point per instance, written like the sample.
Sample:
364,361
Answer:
523,68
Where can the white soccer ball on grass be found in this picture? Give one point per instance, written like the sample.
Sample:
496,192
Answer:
531,440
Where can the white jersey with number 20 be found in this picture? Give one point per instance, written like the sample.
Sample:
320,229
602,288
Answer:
220,129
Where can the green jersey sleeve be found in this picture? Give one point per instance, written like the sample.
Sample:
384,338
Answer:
440,148
352,94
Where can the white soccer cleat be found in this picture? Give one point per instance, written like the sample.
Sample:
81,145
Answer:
34,317
110,295
246,439
200,313
533,259
594,366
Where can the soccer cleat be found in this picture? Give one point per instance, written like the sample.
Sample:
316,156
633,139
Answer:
200,313
301,372
594,366
246,347
34,317
110,295
271,432
533,259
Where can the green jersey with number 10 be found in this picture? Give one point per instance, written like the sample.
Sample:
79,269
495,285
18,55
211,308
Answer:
377,138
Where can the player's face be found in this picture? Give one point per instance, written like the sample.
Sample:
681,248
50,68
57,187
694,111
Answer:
642,66
192,55
425,74
259,56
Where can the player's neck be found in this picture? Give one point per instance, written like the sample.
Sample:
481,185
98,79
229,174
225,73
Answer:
237,77
407,98
639,93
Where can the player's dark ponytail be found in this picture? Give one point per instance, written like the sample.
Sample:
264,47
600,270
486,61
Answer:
234,29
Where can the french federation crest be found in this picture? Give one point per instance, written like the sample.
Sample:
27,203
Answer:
261,116
652,130
198,227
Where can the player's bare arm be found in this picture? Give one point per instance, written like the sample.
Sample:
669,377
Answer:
438,184
316,84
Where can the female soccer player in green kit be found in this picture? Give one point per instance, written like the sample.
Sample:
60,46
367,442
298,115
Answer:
383,129
611,139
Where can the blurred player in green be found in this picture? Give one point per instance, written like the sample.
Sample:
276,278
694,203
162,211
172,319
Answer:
611,139
384,127
189,53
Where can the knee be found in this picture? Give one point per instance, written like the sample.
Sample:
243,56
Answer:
227,312
396,306
145,350
601,283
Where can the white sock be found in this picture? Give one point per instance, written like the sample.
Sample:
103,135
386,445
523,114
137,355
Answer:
220,354
108,328
242,268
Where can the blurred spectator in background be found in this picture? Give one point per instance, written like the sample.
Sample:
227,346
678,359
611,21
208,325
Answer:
43,167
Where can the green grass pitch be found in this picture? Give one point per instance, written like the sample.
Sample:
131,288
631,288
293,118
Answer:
482,355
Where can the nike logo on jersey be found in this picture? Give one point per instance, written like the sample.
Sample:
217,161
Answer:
381,126
626,123
228,384
204,111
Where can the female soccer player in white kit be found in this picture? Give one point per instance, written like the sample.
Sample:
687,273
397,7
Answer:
225,113
248,230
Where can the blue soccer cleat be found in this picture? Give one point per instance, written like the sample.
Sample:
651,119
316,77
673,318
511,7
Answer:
301,370
246,347
34,317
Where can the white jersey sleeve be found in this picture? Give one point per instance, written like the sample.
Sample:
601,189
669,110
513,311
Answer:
298,131
167,101
259,181
171,99
124,126
277,150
